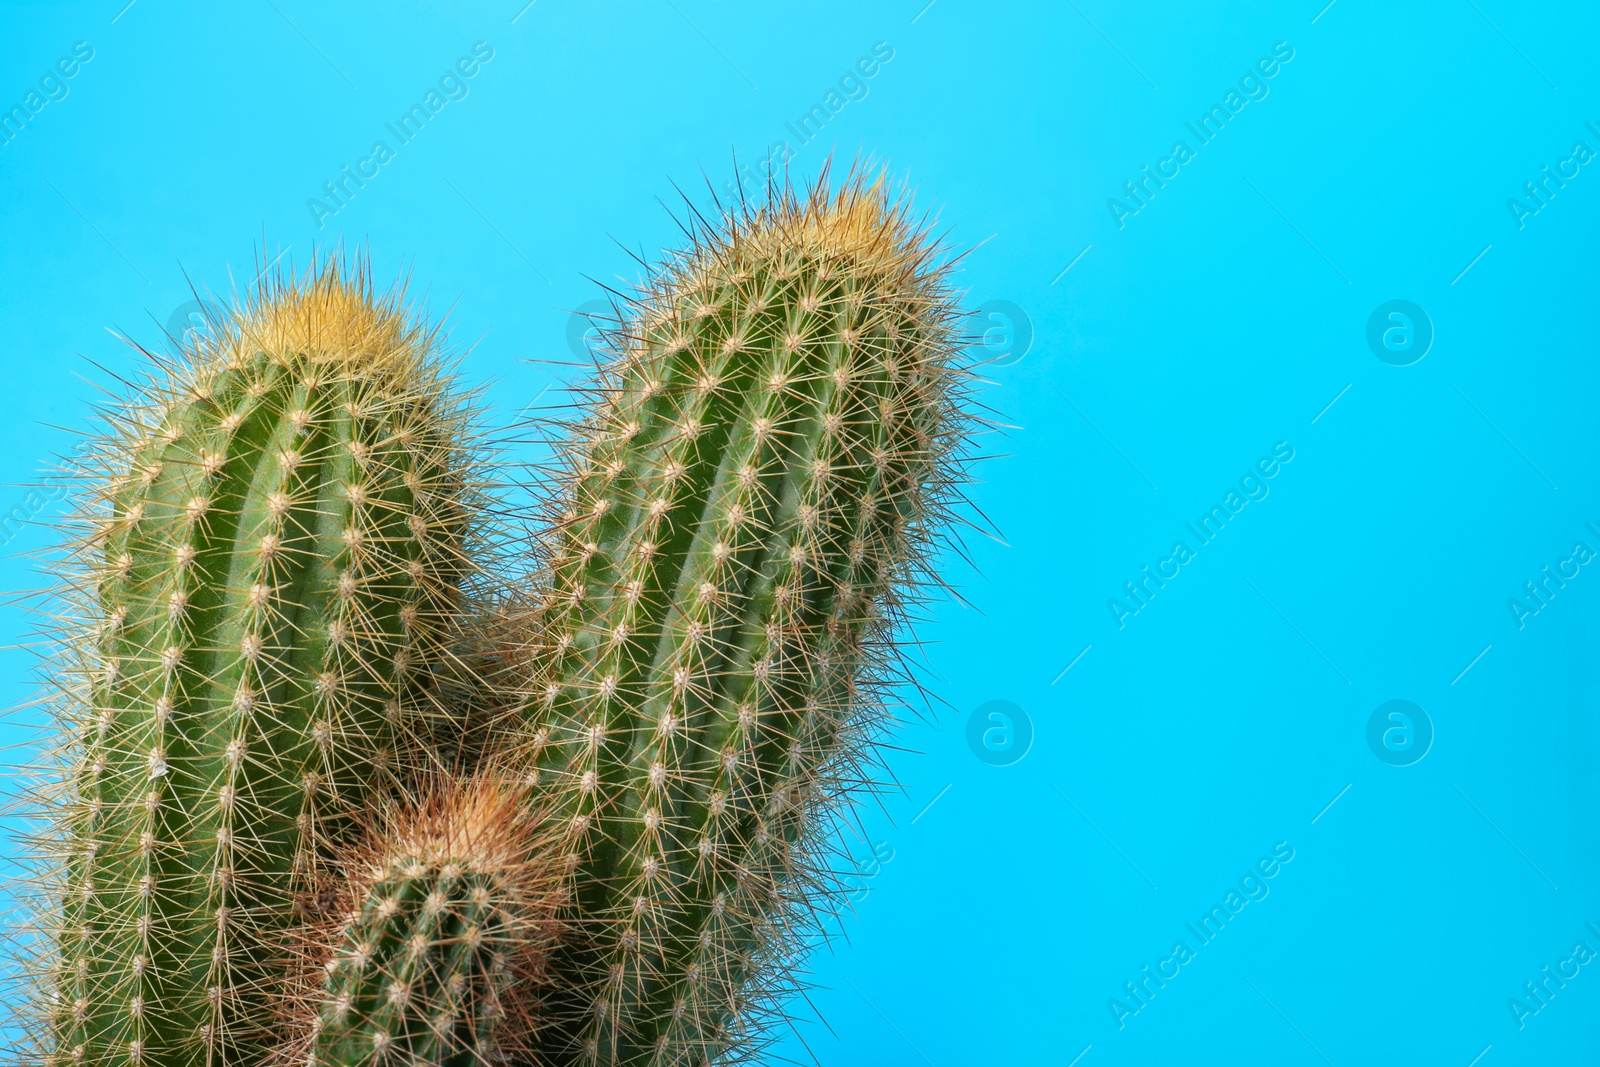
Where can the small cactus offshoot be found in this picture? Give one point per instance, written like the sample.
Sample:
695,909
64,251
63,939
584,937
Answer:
438,956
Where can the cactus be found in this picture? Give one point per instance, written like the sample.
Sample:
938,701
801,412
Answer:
743,521
437,960
276,531
262,854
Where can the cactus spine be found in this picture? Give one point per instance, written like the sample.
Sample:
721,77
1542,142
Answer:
449,918
743,522
277,534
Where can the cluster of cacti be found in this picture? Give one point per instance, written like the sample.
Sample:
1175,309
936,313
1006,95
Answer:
329,799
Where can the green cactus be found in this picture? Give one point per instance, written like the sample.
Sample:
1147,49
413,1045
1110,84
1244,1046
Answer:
278,528
262,855
438,961
744,520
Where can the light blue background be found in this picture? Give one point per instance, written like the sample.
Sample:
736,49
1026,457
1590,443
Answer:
1221,319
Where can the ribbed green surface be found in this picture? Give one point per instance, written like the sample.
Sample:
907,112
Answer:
748,499
286,541
419,975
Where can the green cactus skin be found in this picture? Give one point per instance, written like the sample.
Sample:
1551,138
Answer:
743,523
439,961
279,534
